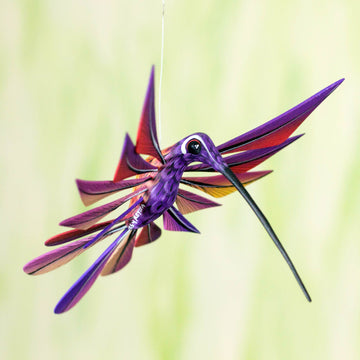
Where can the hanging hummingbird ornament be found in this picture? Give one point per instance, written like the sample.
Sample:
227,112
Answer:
155,182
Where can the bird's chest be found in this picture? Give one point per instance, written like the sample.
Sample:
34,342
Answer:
163,192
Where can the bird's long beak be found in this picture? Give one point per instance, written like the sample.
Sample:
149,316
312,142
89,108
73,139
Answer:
225,170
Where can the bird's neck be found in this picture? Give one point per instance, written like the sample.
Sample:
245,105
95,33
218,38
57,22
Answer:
175,164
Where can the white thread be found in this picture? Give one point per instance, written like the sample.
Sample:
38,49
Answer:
161,63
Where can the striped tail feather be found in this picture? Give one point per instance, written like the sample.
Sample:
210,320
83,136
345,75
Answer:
84,283
60,256
121,256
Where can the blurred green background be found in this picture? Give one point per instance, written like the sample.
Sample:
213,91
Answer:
72,80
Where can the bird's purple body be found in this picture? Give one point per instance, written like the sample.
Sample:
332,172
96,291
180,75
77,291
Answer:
165,185
155,183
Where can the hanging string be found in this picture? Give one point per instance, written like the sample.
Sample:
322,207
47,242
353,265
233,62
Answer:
161,63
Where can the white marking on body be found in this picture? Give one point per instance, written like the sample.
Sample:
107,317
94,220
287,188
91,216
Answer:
136,217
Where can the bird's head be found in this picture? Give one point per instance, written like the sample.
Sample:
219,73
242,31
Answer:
199,147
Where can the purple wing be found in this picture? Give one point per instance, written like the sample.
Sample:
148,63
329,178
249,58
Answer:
88,218
131,163
146,141
187,202
277,130
93,191
175,221
84,283
148,234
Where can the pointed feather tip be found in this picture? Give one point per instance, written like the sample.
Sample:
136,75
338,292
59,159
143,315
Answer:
151,83
83,196
128,144
288,141
263,173
331,87
337,83
293,138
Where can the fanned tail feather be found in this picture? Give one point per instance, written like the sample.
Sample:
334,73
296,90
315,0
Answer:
57,257
121,256
84,283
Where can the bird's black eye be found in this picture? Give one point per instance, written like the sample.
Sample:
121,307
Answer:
193,147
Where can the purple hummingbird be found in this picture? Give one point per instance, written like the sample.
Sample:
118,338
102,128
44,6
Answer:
155,182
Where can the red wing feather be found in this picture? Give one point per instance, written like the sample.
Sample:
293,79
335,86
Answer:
277,130
131,163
